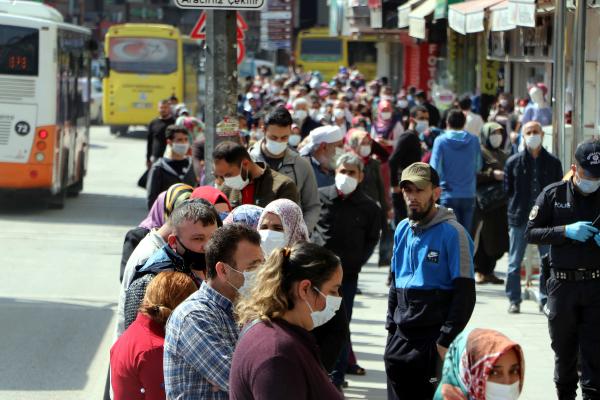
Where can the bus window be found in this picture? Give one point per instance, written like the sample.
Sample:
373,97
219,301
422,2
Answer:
18,50
325,50
143,55
361,52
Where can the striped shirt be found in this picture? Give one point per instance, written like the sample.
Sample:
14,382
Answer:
201,335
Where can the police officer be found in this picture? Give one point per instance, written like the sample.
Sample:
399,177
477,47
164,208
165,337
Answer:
432,293
562,217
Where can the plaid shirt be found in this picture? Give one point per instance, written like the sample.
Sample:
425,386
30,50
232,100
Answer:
200,339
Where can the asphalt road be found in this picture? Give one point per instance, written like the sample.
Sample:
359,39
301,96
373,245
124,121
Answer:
60,274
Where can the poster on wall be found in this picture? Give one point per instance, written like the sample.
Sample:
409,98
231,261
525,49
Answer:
420,65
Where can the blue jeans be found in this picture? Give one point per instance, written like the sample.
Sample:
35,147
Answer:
516,252
463,209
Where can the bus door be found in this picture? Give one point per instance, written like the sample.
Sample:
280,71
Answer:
363,55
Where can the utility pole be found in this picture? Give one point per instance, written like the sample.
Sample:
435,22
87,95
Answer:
221,81
578,121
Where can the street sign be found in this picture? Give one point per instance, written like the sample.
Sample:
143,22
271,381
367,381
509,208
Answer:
198,32
233,5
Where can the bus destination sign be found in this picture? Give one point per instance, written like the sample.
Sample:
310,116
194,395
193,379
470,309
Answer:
236,5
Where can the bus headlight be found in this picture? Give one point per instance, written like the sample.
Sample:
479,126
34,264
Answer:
39,157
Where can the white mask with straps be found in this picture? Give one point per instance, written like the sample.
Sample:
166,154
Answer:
332,304
236,182
275,148
271,240
249,281
345,183
498,391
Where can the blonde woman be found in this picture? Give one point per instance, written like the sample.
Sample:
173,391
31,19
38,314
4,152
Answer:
136,359
276,357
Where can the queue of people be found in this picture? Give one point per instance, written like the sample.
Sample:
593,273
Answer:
322,174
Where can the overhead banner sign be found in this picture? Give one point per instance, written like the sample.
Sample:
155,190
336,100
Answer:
235,5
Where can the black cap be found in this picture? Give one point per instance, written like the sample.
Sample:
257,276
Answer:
587,156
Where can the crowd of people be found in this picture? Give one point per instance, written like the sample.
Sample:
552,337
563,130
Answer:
245,289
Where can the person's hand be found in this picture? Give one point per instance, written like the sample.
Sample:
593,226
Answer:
498,174
396,189
442,351
580,231
597,239
450,392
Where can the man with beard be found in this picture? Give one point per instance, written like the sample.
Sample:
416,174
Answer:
432,292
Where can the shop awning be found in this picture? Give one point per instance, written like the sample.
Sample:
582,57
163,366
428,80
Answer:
499,18
521,12
404,11
467,17
416,20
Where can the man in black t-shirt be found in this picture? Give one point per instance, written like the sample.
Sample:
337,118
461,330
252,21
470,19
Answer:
157,140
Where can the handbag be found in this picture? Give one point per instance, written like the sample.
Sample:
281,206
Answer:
490,197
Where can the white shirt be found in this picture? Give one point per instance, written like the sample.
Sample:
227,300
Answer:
474,124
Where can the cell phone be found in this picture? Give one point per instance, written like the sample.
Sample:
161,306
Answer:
596,222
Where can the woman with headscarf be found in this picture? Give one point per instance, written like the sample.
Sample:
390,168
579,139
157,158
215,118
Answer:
482,364
281,224
215,197
490,227
246,214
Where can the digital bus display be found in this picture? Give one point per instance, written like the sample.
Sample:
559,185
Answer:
19,49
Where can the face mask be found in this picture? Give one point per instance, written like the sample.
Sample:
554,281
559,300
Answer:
495,140
386,115
236,182
332,304
249,281
271,240
421,126
180,148
364,151
275,148
403,103
497,391
294,140
504,103
345,184
338,113
587,186
192,259
533,141
300,115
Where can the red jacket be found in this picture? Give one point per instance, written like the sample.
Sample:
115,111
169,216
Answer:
136,362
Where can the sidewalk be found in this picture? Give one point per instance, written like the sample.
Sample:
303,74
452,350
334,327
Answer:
529,329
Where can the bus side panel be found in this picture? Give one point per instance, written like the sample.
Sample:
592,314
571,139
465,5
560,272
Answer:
191,65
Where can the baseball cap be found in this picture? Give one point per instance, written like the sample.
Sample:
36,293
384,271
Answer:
587,155
421,175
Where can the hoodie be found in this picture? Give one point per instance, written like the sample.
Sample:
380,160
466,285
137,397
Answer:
162,176
433,288
456,156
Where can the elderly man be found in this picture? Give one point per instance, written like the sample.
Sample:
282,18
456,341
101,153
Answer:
349,226
274,151
322,148
525,175
302,117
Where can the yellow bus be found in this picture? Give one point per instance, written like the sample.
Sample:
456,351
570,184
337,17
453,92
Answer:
147,63
44,101
317,51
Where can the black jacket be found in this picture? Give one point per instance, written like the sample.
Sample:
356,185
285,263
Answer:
157,140
162,176
558,205
517,182
308,125
349,227
407,150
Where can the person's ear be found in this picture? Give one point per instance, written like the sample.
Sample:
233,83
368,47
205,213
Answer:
303,288
172,241
220,269
437,193
361,176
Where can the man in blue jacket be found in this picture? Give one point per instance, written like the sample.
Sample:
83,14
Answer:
432,294
456,156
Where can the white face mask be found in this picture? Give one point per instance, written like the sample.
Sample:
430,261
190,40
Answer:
402,103
275,148
345,184
498,391
249,281
294,140
271,240
533,141
587,186
385,115
236,182
338,113
365,150
300,115
495,140
180,148
332,304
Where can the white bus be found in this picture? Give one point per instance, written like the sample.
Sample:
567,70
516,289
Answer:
44,101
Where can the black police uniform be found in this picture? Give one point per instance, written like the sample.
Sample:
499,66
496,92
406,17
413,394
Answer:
573,287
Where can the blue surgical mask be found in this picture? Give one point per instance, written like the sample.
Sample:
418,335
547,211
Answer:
421,126
587,186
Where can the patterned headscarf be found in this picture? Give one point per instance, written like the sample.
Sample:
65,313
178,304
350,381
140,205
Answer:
246,214
294,227
471,358
176,195
164,205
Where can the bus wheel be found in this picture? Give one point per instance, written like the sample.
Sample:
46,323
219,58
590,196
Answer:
114,130
122,130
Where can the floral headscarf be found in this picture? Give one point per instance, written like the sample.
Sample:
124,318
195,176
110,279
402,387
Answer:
294,227
471,358
246,214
